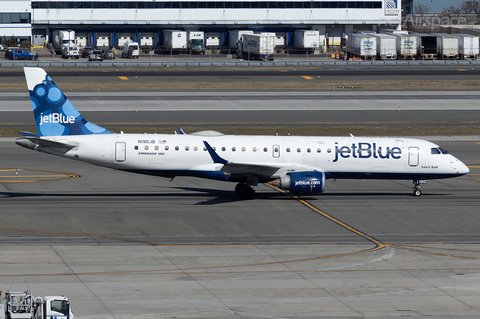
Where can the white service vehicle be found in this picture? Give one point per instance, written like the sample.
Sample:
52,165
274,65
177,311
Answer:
130,50
22,305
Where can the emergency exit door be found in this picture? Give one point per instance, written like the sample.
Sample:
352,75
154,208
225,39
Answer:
120,152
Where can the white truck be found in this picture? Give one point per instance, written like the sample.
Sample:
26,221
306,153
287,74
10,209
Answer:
174,40
22,305
257,46
71,52
362,45
447,46
469,46
62,39
306,39
196,41
386,46
235,36
130,50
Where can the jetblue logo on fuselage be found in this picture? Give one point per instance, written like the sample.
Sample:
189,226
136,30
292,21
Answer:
367,150
57,118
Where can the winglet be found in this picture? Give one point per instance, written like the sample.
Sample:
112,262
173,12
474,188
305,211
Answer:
181,131
215,157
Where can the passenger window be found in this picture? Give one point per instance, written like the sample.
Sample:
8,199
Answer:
319,150
204,148
243,149
195,148
223,149
276,149
254,149
265,149
309,150
176,148
136,147
299,150
146,147
234,149
288,149
329,150
166,147
187,148
156,147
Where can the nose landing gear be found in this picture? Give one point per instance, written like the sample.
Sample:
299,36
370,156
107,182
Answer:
416,188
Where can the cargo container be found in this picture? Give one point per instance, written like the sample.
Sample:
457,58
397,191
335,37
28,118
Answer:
468,46
257,46
386,46
427,46
234,37
447,46
174,40
306,39
362,45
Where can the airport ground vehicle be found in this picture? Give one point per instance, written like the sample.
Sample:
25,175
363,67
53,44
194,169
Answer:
257,46
130,50
61,39
108,54
96,55
447,46
23,305
23,54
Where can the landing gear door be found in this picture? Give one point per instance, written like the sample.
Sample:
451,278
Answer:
276,151
120,152
413,156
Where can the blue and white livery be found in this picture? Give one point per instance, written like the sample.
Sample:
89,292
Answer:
298,164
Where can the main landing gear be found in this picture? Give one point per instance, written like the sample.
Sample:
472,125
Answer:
416,187
245,191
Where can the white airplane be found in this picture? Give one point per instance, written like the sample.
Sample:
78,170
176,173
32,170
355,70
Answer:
298,164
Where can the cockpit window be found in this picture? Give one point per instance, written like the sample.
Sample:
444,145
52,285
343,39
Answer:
443,151
435,151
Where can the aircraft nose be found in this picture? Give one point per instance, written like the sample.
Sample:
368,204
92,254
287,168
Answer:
461,168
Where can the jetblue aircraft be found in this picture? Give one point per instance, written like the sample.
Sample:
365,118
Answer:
297,164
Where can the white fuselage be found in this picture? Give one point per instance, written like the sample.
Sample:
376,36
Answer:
337,157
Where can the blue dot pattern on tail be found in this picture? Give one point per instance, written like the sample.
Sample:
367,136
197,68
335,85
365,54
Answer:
55,115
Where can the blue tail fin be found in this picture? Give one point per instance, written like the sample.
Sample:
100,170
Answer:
54,114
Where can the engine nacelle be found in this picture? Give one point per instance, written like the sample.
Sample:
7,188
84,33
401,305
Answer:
302,183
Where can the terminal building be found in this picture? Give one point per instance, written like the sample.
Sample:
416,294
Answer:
111,23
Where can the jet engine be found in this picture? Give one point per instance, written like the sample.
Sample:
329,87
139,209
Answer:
302,183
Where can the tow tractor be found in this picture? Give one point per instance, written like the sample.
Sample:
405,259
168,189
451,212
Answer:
22,305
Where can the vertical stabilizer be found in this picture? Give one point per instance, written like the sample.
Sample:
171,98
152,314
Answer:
54,114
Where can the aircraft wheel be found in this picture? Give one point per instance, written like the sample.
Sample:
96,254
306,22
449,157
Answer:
239,188
417,192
